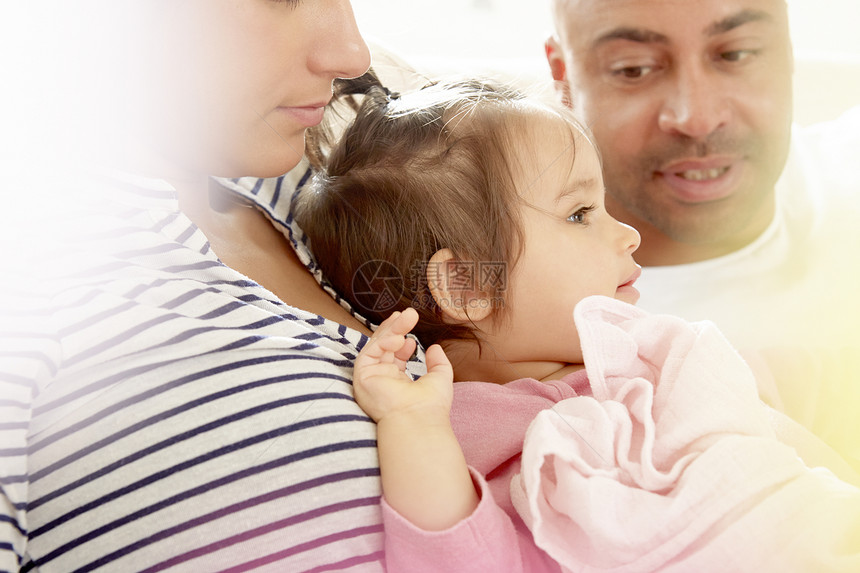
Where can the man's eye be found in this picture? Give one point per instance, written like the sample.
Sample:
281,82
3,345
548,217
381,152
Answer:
632,72
737,55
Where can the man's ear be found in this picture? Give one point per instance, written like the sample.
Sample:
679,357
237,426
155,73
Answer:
558,69
452,284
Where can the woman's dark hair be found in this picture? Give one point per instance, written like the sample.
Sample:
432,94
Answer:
412,175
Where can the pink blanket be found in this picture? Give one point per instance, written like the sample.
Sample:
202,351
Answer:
672,465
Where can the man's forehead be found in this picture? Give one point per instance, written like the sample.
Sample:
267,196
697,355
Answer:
595,18
586,5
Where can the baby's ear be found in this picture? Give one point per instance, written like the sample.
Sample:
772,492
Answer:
453,285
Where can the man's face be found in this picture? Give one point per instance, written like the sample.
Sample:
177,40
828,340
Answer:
690,104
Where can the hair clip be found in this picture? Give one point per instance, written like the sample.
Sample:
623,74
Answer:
390,94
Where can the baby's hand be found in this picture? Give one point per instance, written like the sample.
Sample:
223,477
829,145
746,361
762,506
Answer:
382,387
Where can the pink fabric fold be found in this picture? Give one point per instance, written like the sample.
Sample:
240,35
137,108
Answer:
672,464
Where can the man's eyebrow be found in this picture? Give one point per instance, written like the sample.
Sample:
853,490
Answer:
645,36
736,20
638,35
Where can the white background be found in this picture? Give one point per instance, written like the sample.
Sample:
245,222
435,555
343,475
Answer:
490,34
516,28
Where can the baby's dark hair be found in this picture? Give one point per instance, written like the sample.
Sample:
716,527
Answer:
412,175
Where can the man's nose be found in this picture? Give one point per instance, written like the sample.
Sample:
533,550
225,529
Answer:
696,103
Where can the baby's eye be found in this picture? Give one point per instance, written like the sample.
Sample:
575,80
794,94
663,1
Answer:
580,216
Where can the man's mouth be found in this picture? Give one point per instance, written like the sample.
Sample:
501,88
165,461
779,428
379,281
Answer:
702,174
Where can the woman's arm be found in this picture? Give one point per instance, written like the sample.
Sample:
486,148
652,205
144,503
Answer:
424,473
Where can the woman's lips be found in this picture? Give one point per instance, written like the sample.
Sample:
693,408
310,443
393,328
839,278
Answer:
307,116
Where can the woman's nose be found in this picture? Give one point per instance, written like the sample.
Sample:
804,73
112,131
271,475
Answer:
341,51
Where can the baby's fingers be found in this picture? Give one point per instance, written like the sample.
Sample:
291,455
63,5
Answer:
386,348
438,363
405,352
398,323
390,337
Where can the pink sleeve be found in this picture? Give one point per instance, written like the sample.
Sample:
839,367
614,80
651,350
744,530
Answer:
485,541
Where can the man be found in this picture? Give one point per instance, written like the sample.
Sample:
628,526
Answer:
690,102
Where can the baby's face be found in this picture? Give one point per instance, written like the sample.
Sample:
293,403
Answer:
573,247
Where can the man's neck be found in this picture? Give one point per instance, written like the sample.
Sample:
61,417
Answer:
658,249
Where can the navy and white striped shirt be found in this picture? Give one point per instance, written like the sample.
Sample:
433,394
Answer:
159,411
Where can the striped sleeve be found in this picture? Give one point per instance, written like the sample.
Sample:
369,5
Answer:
189,431
162,412
28,356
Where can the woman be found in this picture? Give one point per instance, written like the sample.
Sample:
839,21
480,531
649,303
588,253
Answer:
175,387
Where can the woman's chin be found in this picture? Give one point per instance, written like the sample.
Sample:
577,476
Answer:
271,159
